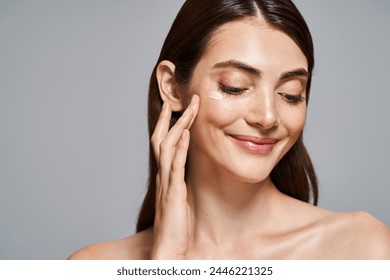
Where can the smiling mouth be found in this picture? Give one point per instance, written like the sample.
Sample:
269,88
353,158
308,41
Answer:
253,144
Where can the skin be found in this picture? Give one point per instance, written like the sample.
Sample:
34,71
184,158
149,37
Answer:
224,205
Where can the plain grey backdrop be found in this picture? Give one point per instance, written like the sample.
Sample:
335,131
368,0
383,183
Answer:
73,136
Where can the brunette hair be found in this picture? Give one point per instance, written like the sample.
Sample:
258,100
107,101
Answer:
184,46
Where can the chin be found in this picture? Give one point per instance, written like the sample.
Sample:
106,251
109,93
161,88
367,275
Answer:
251,176
255,180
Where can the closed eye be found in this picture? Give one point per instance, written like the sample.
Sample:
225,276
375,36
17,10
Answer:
231,90
293,99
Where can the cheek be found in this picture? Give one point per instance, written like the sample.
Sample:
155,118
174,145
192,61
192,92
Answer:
294,119
218,112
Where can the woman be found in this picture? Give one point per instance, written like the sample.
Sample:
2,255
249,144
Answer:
230,177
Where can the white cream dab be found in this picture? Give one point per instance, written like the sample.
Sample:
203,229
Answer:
216,95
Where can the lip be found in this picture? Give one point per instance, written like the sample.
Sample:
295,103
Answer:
253,144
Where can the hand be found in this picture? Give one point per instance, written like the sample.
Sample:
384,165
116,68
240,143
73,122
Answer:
172,227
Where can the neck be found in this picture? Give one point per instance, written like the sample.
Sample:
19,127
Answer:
226,208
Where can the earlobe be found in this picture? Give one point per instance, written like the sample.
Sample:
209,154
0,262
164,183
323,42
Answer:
165,75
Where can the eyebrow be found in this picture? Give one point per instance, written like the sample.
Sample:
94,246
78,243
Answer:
301,72
239,65
257,72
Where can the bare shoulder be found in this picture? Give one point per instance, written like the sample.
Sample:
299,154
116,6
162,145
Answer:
337,235
135,247
356,235
372,234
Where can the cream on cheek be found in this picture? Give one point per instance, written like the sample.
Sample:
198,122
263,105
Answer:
220,110
215,114
215,95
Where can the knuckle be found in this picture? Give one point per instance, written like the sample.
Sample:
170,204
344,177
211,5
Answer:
174,196
176,166
164,145
154,139
161,148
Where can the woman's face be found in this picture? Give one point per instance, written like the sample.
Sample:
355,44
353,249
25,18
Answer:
252,88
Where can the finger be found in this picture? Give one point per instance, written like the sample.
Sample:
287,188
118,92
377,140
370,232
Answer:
168,145
167,148
195,103
158,188
174,134
161,129
162,126
177,172
158,202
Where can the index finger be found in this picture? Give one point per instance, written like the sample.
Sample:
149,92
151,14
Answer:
195,103
161,129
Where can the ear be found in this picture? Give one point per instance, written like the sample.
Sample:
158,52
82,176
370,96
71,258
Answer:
165,74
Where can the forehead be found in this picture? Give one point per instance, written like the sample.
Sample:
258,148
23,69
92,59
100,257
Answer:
256,43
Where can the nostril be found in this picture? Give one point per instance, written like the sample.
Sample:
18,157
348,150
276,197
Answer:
263,112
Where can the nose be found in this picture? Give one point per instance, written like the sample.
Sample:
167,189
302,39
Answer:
263,111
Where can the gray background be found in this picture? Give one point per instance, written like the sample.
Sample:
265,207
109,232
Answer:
73,87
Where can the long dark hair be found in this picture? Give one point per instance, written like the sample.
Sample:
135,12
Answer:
184,46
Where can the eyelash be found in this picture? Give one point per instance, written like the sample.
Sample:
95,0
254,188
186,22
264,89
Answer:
231,90
292,98
238,91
